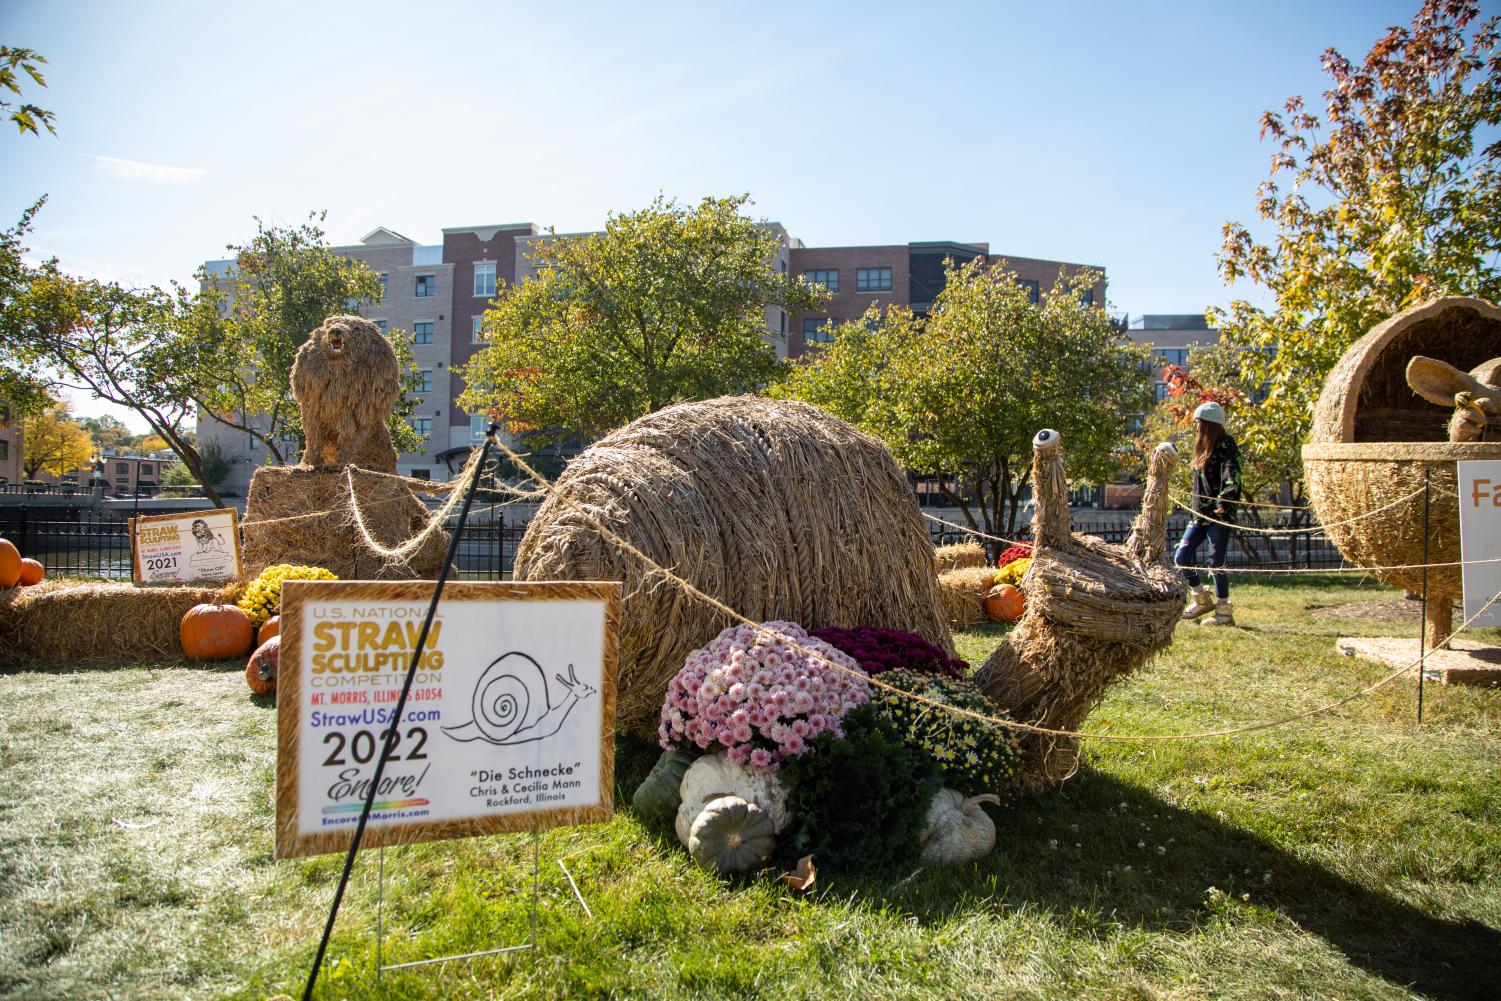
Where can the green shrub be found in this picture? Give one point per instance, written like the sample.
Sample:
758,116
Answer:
974,756
862,800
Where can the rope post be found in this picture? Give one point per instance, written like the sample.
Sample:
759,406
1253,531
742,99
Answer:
1423,625
391,737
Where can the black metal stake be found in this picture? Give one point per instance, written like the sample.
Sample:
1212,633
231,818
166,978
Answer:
1423,627
406,688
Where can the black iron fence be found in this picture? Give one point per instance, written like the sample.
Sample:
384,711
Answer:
84,542
1308,549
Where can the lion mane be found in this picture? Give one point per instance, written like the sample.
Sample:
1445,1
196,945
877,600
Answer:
346,383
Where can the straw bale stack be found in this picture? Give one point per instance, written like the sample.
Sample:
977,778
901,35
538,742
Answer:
1374,440
299,515
1096,612
961,595
59,623
774,507
959,556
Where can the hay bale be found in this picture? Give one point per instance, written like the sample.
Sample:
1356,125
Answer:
1095,613
961,595
59,623
773,507
299,515
1373,438
959,556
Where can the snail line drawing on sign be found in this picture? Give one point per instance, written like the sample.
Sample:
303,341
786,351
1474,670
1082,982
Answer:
512,703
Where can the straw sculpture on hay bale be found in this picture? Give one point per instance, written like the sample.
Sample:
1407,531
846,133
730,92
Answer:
959,556
61,623
346,383
961,595
774,507
1384,422
1095,613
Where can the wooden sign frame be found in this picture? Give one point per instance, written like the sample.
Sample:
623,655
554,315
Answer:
135,523
296,595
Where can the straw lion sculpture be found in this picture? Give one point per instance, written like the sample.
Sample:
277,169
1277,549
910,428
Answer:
346,383
774,507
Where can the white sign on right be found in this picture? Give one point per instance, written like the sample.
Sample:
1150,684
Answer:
1480,537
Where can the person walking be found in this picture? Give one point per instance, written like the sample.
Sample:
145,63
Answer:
1216,473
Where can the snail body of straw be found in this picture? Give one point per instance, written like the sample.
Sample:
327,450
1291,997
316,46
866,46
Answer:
513,705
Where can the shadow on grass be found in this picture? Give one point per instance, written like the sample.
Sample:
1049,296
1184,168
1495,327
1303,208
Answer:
1108,881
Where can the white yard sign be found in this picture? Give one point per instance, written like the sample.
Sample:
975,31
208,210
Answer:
1480,537
509,725
185,546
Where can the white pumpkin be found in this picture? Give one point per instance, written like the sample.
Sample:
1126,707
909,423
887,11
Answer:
715,775
957,831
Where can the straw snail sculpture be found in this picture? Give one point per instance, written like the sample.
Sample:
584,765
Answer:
1095,613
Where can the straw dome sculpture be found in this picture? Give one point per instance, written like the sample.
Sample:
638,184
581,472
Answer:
774,507
1095,613
1373,438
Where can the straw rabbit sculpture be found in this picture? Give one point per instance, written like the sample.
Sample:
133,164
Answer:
1096,612
346,383
1474,395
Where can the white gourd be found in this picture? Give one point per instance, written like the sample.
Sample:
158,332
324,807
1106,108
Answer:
715,775
957,831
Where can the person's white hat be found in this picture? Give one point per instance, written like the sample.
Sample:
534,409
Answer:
1211,412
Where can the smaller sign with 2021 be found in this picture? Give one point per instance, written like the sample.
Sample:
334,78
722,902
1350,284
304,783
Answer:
508,726
185,546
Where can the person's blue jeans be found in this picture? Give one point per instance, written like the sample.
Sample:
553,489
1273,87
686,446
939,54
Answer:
1188,550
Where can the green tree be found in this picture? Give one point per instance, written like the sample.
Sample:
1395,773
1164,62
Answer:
120,344
667,304
240,336
22,392
106,432
1392,199
27,117
52,442
960,392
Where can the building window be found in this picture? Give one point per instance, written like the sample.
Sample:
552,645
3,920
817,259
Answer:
423,426
1034,290
477,427
146,469
422,474
1159,392
122,468
427,285
422,332
1173,356
351,304
476,330
783,327
1086,298
817,330
829,278
4,450
484,279
424,380
872,279
381,324
385,286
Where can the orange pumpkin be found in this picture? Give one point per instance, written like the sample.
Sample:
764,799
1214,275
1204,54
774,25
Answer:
10,564
32,572
1005,603
260,673
215,632
271,627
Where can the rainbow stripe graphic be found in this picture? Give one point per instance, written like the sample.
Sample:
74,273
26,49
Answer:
377,807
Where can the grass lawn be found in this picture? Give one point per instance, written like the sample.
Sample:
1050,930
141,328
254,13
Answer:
1355,855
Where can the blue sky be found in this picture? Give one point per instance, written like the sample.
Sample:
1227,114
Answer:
1116,134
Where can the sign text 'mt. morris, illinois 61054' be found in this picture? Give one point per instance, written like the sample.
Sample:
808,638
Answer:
509,725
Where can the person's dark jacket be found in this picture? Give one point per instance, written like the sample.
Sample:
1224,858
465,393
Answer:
1217,484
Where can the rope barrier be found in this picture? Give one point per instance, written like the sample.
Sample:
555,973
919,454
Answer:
690,589
1295,531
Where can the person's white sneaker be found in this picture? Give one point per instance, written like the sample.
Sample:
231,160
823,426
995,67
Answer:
1200,602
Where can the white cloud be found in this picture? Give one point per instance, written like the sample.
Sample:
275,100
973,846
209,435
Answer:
132,170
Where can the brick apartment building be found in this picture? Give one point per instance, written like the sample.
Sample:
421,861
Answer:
439,292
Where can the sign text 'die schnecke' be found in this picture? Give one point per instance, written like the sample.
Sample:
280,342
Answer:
509,725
